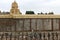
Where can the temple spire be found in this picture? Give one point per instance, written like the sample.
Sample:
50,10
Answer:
14,8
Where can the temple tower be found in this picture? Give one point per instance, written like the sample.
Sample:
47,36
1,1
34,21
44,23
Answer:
14,8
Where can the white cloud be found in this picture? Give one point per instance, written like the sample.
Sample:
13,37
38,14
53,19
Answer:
35,5
53,3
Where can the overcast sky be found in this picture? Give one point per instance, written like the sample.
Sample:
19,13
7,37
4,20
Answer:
33,5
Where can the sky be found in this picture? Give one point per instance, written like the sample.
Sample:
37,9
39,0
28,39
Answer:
37,6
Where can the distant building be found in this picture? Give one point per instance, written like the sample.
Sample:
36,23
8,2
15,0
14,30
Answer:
15,26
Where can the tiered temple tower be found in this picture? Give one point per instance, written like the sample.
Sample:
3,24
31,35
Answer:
14,8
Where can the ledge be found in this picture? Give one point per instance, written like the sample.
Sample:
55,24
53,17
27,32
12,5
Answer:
29,16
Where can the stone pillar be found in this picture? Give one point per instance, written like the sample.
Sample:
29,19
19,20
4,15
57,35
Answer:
42,37
34,38
24,38
0,37
8,38
11,36
51,36
39,36
55,38
29,38
46,36
4,38
58,36
20,37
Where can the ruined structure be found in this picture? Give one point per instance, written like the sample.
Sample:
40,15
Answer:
15,26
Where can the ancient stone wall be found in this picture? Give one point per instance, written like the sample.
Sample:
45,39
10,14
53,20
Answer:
29,29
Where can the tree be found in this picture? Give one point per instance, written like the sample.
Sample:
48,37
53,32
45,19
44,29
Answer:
50,13
29,12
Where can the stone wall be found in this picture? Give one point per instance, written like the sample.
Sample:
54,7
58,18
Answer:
29,29
38,24
29,24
